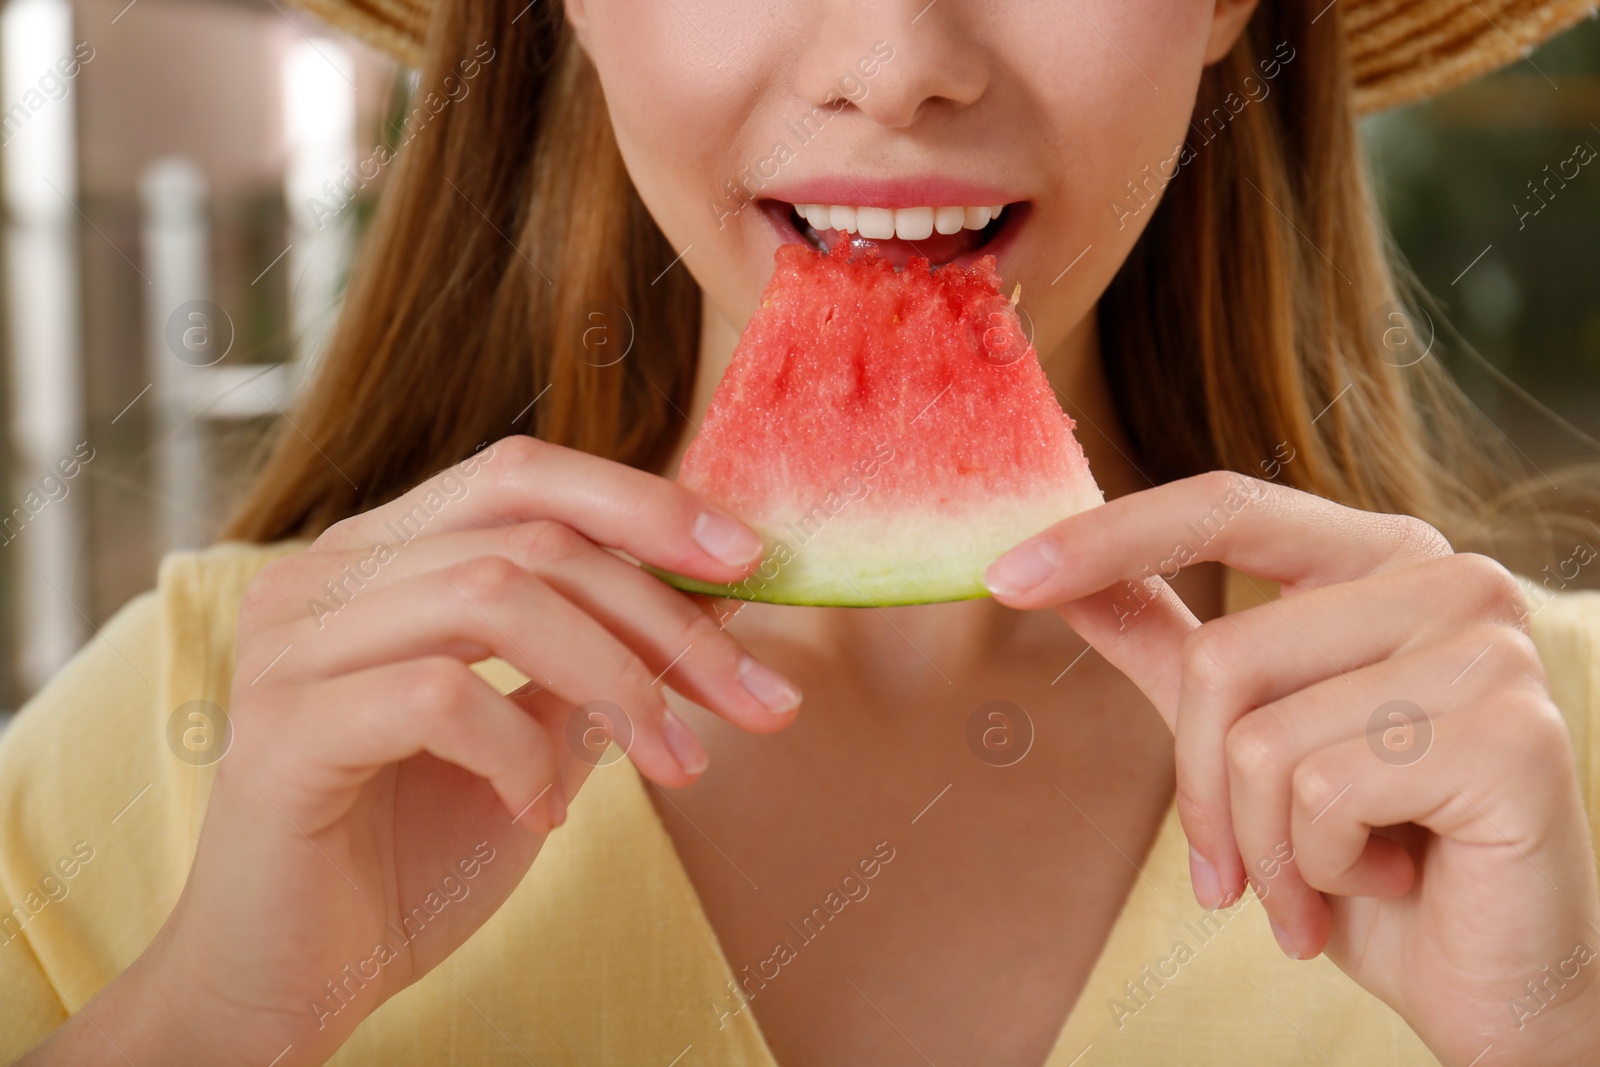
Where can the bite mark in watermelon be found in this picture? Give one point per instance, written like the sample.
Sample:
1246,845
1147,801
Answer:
889,434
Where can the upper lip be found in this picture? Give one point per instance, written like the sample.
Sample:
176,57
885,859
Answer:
916,191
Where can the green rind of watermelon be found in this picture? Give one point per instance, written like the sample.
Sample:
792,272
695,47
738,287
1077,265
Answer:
817,597
864,558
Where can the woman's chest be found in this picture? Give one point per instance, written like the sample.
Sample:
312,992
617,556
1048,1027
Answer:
889,898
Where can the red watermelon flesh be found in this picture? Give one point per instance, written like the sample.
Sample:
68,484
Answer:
889,433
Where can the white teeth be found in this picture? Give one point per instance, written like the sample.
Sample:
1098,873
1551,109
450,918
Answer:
949,219
906,223
875,223
913,223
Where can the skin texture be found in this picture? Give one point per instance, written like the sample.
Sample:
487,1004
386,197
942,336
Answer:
1029,97
1271,707
376,745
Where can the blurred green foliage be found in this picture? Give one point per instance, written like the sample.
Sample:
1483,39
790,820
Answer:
1455,177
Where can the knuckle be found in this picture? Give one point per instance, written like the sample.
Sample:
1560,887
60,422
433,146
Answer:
1203,817
439,687
544,540
648,498
696,628
1255,744
1514,649
1315,783
1533,725
1533,755
664,496
1492,586
272,583
515,452
1224,483
639,682
505,468
1418,538
1208,658
336,534
1501,652
486,579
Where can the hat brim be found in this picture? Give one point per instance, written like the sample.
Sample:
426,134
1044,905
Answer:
1401,51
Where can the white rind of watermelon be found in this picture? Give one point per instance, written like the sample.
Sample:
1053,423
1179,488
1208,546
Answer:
889,434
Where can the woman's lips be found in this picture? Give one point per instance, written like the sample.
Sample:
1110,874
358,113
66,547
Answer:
992,236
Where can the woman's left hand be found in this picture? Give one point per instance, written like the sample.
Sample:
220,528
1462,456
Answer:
1377,752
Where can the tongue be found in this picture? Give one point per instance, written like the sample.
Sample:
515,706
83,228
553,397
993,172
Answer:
936,249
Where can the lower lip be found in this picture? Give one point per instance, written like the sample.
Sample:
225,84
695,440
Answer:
898,252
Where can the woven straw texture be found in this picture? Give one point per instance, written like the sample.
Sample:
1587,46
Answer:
1401,50
1406,50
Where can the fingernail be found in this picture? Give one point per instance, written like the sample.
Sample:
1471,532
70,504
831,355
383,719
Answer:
684,745
724,539
1023,567
1283,939
557,805
1207,883
768,686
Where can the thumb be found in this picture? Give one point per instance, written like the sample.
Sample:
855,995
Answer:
1139,627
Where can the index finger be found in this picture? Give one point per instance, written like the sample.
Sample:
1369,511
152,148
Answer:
1294,538
521,479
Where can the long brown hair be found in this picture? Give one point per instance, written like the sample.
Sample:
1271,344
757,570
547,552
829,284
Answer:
1247,324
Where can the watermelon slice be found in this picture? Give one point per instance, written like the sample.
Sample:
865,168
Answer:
888,433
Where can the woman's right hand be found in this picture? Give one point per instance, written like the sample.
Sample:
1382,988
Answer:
369,763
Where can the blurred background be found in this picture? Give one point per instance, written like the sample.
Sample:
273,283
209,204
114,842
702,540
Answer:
183,192
182,199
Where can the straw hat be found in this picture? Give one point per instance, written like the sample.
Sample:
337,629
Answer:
1401,50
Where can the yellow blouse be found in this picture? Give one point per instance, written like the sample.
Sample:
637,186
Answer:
603,954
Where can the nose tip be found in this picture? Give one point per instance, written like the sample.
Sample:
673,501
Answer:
892,66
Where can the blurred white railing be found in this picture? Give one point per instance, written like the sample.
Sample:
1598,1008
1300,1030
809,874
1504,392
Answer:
190,337
196,364
44,521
